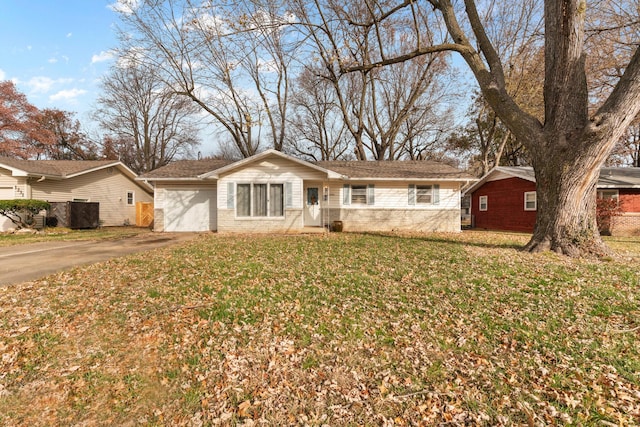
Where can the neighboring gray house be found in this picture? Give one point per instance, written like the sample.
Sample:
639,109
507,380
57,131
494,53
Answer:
274,192
110,183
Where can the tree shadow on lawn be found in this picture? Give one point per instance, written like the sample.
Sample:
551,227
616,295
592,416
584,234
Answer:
478,238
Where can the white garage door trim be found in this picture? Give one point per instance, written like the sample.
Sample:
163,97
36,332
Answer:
190,210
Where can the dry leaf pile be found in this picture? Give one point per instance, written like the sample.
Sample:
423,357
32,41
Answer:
343,329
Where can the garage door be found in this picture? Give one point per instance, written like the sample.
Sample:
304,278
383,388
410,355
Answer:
6,193
190,210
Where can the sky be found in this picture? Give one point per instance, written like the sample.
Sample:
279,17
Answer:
56,51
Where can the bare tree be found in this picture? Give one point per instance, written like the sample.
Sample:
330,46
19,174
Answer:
627,151
376,103
231,59
570,144
486,141
149,123
399,95
316,129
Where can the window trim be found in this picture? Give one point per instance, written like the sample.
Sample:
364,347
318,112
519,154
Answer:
535,201
480,203
251,200
412,195
369,195
133,198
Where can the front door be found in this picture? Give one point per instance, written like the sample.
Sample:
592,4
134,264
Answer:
312,207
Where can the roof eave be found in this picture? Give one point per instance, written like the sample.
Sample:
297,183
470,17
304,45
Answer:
617,186
408,179
215,174
149,179
119,165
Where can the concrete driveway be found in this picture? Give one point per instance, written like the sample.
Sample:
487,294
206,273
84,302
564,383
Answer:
32,261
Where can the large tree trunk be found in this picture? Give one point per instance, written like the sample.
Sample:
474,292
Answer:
566,207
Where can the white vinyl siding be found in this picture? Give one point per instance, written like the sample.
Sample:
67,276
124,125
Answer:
107,186
6,193
273,170
17,184
284,180
393,195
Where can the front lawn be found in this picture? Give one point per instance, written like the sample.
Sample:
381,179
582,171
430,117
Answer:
345,329
65,234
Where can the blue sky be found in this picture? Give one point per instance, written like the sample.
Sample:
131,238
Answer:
57,50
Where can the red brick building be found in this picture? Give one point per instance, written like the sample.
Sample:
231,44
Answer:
505,199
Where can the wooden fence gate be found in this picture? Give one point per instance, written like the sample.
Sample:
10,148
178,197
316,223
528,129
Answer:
144,214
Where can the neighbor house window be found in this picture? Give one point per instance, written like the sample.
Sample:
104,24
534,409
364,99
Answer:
608,195
358,194
130,198
483,202
530,201
260,200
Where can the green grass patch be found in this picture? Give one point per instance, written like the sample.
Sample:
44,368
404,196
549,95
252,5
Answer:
55,234
344,329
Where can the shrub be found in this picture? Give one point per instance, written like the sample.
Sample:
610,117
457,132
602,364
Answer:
21,211
605,210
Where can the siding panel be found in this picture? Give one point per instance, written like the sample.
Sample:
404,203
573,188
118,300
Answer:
106,186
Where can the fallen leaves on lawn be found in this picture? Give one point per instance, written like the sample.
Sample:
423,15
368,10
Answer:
314,330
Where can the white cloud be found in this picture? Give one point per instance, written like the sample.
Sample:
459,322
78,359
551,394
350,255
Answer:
67,95
2,74
101,57
124,6
52,60
131,57
44,84
69,35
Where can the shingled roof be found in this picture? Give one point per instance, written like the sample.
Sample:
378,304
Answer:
608,178
55,168
387,170
397,169
185,169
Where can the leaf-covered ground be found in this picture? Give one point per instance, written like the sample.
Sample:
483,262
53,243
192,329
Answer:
65,234
344,329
